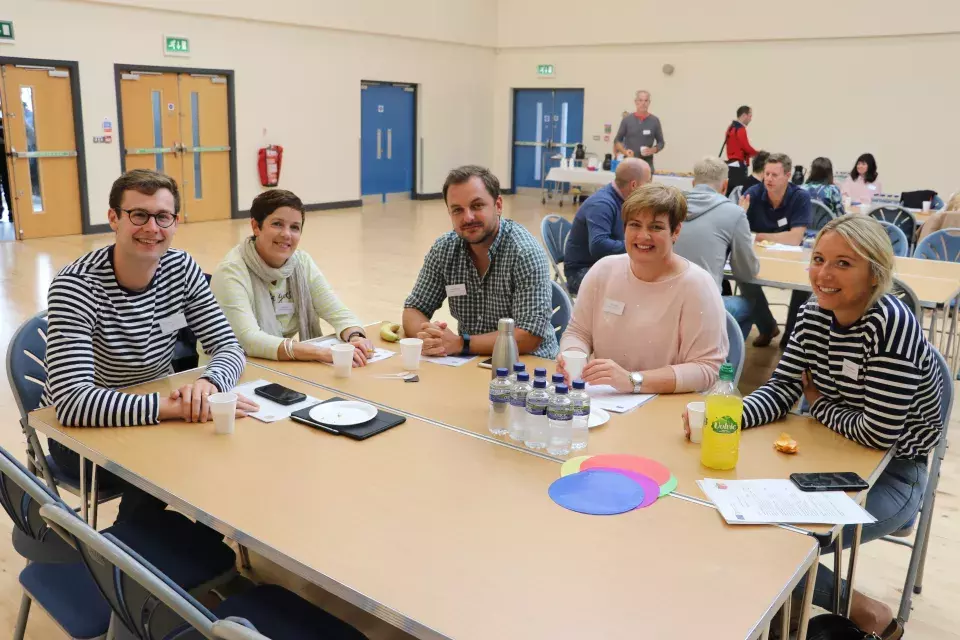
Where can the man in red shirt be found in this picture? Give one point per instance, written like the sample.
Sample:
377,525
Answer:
738,148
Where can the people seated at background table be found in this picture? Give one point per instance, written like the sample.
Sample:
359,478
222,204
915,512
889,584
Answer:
640,134
778,211
714,229
756,177
652,321
488,268
113,320
821,188
862,184
949,218
739,151
271,291
597,229
860,359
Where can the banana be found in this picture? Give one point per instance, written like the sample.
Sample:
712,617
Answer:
389,331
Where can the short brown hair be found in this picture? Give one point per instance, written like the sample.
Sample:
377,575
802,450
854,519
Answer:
146,182
657,199
781,159
269,201
463,174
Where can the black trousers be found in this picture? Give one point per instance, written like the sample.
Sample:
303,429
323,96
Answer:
736,176
5,184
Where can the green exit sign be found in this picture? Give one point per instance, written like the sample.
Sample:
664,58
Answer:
545,70
6,31
176,46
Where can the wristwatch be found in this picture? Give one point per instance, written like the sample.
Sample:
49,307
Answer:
355,333
637,379
466,344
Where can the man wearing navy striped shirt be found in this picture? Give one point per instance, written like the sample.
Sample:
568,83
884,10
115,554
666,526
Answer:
113,320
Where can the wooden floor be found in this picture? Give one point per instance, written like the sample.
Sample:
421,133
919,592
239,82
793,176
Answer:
372,256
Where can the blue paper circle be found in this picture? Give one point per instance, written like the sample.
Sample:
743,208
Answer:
596,492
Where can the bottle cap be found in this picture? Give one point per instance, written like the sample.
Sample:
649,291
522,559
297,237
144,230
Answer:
540,372
539,383
579,384
506,325
557,378
726,372
518,367
561,388
523,376
501,372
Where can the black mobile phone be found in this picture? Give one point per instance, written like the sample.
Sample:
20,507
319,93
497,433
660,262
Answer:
486,364
841,481
280,394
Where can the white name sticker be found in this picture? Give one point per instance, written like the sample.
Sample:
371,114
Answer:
454,290
782,222
613,306
283,308
646,132
851,370
172,323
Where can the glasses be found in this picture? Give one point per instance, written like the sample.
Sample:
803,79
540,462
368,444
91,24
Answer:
140,217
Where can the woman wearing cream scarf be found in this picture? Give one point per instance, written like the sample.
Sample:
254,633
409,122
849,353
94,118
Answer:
270,291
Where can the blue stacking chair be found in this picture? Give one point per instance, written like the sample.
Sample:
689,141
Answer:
821,216
27,375
898,216
940,245
149,605
737,352
554,230
562,309
899,240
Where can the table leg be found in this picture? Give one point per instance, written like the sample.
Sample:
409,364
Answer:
94,493
807,600
83,489
852,569
785,618
765,634
837,573
932,336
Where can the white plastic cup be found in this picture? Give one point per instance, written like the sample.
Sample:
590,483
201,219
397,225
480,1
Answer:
342,359
926,206
696,414
574,361
223,407
410,349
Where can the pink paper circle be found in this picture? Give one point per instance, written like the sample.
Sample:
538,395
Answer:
644,466
651,490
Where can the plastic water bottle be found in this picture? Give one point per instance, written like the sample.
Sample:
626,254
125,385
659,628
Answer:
498,422
554,381
581,415
541,373
535,435
517,368
560,422
518,406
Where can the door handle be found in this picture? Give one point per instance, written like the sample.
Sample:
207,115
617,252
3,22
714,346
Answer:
389,143
379,144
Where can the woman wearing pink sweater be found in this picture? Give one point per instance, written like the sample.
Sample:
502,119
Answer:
654,322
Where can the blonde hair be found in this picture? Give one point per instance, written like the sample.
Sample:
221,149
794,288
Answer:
954,204
870,241
656,199
711,171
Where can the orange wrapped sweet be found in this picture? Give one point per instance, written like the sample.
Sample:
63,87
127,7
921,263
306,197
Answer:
786,444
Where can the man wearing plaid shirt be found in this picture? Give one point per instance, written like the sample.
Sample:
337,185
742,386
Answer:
489,268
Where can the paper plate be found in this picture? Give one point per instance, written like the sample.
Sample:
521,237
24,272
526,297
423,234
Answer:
343,414
598,417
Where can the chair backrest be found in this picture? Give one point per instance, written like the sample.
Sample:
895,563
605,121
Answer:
737,350
555,230
946,400
901,246
903,292
898,216
937,203
562,309
144,600
735,194
26,368
940,245
821,215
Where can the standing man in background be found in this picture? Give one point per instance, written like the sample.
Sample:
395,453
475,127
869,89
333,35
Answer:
738,147
5,177
640,134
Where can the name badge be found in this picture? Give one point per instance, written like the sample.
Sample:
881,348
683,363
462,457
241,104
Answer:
613,306
782,222
872,187
454,290
646,132
851,370
283,308
172,323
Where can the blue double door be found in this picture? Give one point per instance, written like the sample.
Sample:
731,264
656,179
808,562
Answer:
544,120
387,124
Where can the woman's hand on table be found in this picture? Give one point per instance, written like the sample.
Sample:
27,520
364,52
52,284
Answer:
364,350
810,391
561,368
686,425
603,371
246,406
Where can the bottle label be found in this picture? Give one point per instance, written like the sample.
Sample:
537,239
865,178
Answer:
537,409
499,396
518,401
560,414
581,410
724,425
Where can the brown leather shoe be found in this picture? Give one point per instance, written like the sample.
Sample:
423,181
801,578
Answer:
764,339
894,631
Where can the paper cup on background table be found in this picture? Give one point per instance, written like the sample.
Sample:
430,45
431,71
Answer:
223,407
926,206
342,359
574,361
410,349
696,413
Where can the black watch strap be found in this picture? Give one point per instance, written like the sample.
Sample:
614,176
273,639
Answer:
466,344
355,333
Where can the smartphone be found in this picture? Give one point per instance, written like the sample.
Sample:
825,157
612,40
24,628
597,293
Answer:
280,394
843,481
486,364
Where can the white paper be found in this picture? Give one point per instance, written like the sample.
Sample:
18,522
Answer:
780,502
606,397
783,247
378,354
448,361
270,411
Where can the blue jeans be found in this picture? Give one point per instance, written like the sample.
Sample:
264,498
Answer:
742,311
893,500
574,278
766,323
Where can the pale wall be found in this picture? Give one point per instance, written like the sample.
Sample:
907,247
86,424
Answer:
893,97
301,85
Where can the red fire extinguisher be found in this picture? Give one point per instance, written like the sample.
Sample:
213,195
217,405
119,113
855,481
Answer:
268,163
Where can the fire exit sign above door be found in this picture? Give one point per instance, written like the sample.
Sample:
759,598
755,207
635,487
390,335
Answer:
6,31
176,46
545,70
